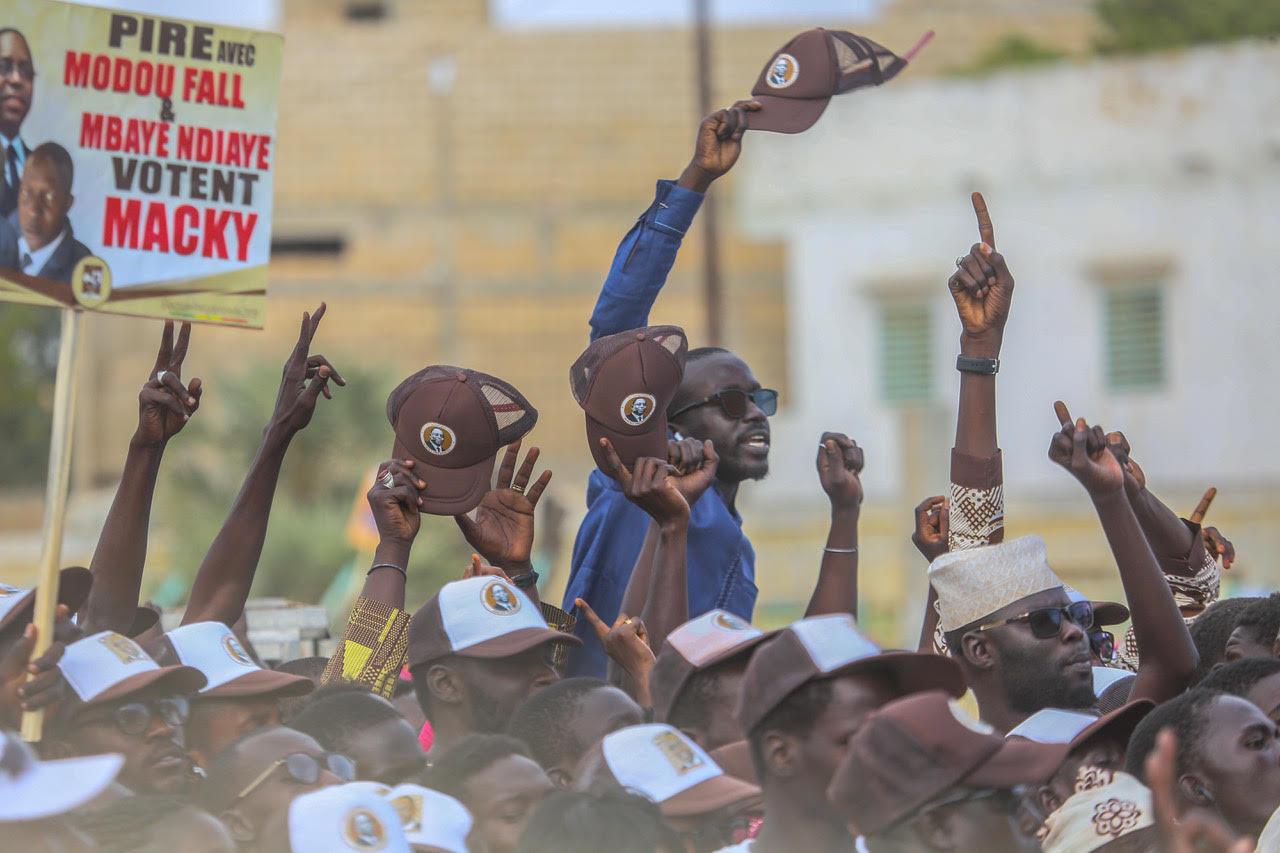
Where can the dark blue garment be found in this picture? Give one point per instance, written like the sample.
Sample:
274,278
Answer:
721,562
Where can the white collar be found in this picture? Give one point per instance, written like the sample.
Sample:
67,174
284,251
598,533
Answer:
39,257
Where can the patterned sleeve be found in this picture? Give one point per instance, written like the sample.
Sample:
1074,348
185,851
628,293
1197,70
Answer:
977,501
373,647
1194,588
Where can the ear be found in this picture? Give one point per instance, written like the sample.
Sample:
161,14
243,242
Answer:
561,778
242,832
780,754
977,650
1046,801
70,201
445,685
1192,790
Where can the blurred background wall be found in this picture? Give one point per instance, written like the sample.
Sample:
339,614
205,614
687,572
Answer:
454,176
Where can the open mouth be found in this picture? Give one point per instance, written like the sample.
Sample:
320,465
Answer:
758,442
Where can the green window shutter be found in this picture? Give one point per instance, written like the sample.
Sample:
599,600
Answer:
906,352
1135,338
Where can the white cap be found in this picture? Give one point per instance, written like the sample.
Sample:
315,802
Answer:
31,789
431,820
107,666
976,582
704,639
1090,819
1053,725
1105,676
212,648
662,764
343,818
73,590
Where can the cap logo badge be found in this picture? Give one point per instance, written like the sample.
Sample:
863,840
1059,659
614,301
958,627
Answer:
784,72
729,622
1115,817
499,599
638,408
363,830
678,752
123,648
409,809
437,438
236,652
6,590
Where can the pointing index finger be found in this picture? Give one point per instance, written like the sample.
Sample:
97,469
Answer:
1064,416
985,230
1203,507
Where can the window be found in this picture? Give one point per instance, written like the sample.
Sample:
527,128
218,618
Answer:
366,12
327,245
1134,328
905,347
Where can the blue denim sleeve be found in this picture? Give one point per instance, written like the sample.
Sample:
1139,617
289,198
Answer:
643,260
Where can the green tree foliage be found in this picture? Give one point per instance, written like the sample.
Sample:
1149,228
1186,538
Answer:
1136,26
1012,50
28,361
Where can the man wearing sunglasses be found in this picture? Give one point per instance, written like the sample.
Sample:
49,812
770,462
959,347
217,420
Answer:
122,701
252,782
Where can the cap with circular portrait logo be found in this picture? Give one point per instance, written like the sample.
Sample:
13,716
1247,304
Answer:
344,818
452,421
212,648
432,821
624,383
481,617
715,637
108,666
803,75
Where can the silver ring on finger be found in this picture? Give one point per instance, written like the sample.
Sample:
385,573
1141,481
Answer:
959,262
517,489
388,480
161,375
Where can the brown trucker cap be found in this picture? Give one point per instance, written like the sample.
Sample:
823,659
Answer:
17,603
699,644
625,382
452,421
913,750
803,75
480,617
829,646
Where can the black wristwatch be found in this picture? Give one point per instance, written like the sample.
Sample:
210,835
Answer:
972,364
526,580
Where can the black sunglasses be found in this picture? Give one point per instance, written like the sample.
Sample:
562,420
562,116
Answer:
134,718
304,769
734,402
1103,644
1047,622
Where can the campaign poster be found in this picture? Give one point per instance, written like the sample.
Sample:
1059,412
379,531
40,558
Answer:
137,163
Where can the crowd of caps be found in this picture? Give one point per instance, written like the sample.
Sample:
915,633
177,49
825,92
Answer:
647,713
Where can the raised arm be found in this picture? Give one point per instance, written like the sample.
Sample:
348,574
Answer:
932,529
164,407
225,576
1167,654
648,251
839,462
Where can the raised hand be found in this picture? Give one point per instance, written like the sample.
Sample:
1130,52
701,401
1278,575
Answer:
502,530
651,486
165,404
627,642
840,462
27,685
1196,831
695,465
1135,480
296,402
718,145
394,499
982,286
1082,450
933,526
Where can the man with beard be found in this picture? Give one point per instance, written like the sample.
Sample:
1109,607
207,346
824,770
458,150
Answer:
1012,626
477,649
17,80
719,400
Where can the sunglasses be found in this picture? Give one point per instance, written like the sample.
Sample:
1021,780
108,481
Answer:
1047,622
134,718
305,770
1103,644
734,402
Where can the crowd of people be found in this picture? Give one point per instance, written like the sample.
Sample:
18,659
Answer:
647,714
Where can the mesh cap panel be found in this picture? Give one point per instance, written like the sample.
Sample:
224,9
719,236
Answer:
862,62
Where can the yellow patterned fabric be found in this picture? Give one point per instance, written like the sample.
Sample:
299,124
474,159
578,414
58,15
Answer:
373,648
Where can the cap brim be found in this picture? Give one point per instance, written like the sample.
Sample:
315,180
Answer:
1019,762
915,672
261,682
1109,613
58,786
735,759
710,795
628,447
74,583
516,642
144,619
786,115
1119,724
165,681
450,491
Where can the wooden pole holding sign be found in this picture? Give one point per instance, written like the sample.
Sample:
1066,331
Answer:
55,501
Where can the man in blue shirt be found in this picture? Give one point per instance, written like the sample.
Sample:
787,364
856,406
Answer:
719,399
